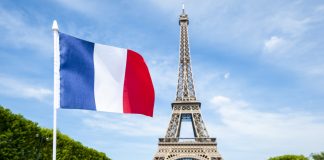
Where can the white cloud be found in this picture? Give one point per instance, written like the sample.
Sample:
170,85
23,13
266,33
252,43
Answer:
97,10
220,100
263,134
164,70
227,75
129,125
274,44
14,88
18,33
80,6
320,8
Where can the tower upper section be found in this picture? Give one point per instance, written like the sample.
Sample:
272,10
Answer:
183,17
185,88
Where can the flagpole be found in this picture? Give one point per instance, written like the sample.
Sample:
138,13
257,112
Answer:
56,103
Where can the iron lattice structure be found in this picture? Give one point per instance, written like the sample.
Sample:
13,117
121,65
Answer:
185,89
186,107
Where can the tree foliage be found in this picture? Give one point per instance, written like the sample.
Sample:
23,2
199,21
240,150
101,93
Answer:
289,157
319,156
23,139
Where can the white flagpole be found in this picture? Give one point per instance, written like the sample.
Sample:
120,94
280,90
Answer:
56,103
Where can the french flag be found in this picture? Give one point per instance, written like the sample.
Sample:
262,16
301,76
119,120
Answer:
103,78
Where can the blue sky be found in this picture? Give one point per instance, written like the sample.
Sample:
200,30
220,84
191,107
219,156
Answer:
258,69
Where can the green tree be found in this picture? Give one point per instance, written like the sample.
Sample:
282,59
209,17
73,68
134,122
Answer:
23,139
319,156
289,157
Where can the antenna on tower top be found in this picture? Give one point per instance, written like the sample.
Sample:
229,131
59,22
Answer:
183,8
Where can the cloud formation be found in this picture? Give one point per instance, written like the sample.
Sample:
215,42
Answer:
273,44
227,75
129,125
18,33
265,133
14,88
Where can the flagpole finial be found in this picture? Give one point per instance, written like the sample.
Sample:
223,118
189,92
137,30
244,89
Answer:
55,26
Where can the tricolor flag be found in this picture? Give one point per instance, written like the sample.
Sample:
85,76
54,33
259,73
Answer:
103,78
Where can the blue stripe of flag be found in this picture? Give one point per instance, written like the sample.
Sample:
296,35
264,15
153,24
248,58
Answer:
76,73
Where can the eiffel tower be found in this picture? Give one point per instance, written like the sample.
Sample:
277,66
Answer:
186,108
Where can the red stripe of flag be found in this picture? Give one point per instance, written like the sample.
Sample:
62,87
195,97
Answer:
138,96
